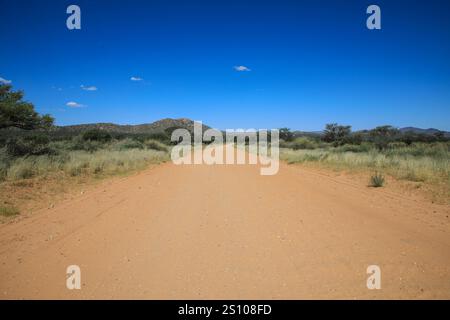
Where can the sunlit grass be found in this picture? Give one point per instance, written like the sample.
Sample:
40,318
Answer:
426,167
75,163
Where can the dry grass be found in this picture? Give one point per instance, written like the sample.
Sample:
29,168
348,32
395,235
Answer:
34,182
432,170
75,163
8,211
414,168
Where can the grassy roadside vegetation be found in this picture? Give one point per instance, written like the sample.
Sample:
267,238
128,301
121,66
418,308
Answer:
30,157
36,159
383,150
34,153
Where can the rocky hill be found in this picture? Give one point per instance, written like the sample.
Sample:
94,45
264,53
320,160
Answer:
147,128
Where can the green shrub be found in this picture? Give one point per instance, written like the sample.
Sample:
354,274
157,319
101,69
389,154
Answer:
78,143
97,135
31,145
128,144
377,180
364,147
155,145
303,143
160,136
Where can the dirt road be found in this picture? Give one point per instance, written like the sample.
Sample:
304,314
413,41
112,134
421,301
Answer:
195,232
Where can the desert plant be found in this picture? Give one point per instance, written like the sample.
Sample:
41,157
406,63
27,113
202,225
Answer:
377,180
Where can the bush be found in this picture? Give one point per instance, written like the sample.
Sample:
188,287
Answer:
336,134
286,134
377,180
155,145
128,144
31,145
78,143
303,143
160,136
364,147
96,135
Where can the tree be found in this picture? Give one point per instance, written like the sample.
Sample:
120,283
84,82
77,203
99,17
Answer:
439,136
336,134
384,131
381,136
286,134
14,112
96,135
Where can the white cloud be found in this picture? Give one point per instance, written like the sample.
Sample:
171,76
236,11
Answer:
73,104
241,68
136,79
4,81
89,88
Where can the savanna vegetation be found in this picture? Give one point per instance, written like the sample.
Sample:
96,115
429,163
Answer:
31,147
383,150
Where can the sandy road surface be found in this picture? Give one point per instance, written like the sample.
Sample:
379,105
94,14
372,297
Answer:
226,232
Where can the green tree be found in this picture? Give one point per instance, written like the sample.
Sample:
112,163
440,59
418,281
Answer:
384,131
336,133
382,135
96,135
286,134
14,112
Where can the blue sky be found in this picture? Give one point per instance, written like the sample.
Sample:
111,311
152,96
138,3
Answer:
311,62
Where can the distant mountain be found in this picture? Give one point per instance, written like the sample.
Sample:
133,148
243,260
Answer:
311,134
147,128
168,123
428,131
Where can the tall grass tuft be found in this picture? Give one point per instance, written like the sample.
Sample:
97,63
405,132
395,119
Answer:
377,180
